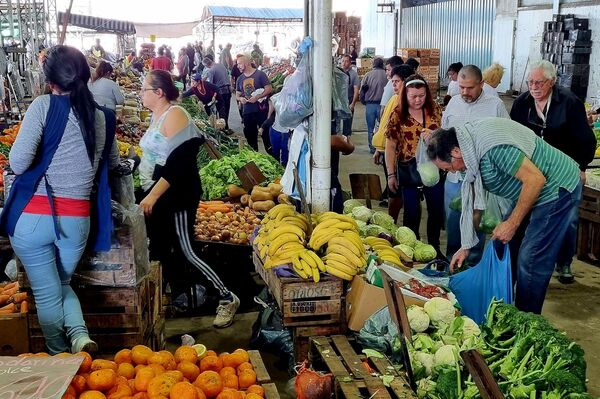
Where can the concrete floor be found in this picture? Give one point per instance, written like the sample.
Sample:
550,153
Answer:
573,308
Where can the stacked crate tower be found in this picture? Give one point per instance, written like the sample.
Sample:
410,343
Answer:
348,31
567,43
429,64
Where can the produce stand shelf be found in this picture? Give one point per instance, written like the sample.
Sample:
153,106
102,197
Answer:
303,302
588,237
262,375
338,356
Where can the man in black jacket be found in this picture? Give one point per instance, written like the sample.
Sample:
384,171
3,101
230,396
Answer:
558,116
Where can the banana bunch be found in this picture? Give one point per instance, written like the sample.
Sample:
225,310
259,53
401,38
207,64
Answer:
307,264
345,255
330,225
282,235
384,250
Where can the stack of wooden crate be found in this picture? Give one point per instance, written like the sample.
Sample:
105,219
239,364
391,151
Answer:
348,30
588,238
429,68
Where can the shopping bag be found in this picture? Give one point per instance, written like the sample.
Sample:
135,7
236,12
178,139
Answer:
490,279
339,94
492,216
430,174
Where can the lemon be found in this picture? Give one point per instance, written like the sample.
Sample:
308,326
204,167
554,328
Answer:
200,350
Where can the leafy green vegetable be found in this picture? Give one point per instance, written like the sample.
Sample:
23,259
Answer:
384,220
373,353
405,236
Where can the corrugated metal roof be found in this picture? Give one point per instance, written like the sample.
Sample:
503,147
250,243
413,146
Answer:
98,24
224,13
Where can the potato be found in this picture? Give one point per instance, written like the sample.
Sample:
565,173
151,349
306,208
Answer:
235,191
263,205
259,195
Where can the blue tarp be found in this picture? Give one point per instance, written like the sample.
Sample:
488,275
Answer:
246,14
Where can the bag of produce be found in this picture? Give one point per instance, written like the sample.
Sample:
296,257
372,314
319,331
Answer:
430,174
339,93
476,288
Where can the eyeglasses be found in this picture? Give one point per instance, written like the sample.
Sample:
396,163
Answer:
536,83
143,89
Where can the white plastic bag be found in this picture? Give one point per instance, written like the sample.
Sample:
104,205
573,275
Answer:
430,174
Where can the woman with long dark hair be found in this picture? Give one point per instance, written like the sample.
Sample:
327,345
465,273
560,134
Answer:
106,92
415,114
64,139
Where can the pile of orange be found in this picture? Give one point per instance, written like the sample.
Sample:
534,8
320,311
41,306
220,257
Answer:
141,373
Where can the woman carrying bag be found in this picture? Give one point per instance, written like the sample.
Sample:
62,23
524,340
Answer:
416,113
65,147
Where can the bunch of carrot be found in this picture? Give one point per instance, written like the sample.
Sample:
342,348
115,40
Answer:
215,206
12,300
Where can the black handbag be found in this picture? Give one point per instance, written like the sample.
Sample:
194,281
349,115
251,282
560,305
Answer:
407,174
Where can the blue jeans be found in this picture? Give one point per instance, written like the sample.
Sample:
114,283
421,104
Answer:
434,196
372,113
537,249
279,145
569,245
451,191
49,264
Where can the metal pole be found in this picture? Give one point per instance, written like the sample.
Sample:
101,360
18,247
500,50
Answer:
306,17
213,34
322,82
556,7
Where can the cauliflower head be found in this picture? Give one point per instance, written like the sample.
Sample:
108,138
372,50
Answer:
446,355
440,311
417,318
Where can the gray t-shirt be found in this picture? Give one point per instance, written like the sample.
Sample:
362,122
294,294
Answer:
248,84
70,173
388,92
376,81
217,74
354,81
106,93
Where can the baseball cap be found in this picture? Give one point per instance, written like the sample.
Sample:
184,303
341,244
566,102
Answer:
197,77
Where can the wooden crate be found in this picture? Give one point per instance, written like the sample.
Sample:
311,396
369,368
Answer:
588,237
262,375
13,327
302,302
301,337
338,356
117,317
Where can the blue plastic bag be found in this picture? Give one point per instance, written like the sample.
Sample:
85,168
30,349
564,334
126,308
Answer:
476,287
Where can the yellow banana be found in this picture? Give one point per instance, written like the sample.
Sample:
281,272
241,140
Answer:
341,266
287,229
277,209
393,261
282,239
306,267
338,273
320,239
338,257
345,226
324,225
386,251
356,240
375,241
318,261
296,221
346,244
353,259
263,252
316,275
300,271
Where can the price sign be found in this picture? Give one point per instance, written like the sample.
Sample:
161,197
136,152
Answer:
36,377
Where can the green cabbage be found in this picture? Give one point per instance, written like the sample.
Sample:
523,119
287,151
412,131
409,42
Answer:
430,174
425,253
406,250
351,204
384,220
362,230
456,203
488,223
362,213
373,230
405,236
360,224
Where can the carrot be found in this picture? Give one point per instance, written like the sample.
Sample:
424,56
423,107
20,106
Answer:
11,291
4,299
24,307
10,308
19,297
10,286
215,202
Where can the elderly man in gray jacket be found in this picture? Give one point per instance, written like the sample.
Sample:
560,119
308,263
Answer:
370,92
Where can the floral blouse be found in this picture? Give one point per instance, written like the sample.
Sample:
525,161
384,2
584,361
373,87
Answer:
407,134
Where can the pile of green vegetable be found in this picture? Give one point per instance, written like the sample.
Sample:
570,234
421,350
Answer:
219,173
529,358
4,150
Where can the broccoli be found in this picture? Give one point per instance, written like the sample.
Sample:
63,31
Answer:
565,381
521,391
448,382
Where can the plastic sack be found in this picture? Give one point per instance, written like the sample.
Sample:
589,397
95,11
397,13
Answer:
430,174
294,103
490,279
300,157
378,332
339,94
492,216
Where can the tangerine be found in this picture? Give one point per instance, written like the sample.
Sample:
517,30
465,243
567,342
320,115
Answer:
189,370
210,383
257,389
184,390
211,363
102,380
186,353
92,395
247,378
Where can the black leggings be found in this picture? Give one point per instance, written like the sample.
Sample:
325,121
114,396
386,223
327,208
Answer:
252,122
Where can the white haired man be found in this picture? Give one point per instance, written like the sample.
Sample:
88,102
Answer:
557,116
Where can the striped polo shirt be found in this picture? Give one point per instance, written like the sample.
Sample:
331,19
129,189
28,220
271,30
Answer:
499,166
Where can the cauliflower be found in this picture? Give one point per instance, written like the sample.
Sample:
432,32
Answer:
424,343
426,359
405,236
362,213
409,252
440,311
425,253
384,220
417,318
350,204
470,328
446,355
430,174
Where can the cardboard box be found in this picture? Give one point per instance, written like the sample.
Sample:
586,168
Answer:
364,63
14,334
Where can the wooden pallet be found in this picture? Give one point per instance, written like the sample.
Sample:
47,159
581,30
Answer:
588,237
352,380
262,375
301,337
302,302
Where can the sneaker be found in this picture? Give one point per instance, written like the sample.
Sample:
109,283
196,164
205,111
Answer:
565,276
225,312
84,344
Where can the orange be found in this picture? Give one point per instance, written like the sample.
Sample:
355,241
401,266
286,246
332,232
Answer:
120,380
227,370
186,353
119,391
253,396
140,354
244,366
184,390
138,368
257,389
102,380
141,395
159,358
71,390
161,385
228,394
131,383
28,354
243,353
142,379
210,382
101,364
175,374
123,356
63,355
79,383
211,363
200,393
189,370
231,381
158,369
41,354
86,365
126,370
92,395
210,353
67,395
242,394
247,378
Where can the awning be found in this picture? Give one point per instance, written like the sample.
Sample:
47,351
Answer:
246,14
101,25
165,31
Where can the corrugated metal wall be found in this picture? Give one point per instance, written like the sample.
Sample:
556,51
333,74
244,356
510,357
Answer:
461,29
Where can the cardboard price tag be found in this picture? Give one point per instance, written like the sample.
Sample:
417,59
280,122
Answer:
36,377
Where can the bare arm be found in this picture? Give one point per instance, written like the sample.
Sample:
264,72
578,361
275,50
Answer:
157,191
390,164
342,144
